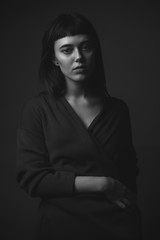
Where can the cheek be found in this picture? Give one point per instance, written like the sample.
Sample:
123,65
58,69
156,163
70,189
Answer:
91,64
91,57
91,60
64,62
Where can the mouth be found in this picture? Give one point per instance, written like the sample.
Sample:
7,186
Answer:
79,68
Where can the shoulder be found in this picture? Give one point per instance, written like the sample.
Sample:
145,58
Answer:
116,104
32,109
35,103
118,110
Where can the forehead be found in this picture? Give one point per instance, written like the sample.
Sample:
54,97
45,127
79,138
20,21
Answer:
72,40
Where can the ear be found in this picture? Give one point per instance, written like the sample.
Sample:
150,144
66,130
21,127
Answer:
55,61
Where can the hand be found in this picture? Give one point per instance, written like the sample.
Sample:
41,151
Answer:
119,194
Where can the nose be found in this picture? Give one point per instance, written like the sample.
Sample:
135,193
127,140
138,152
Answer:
78,55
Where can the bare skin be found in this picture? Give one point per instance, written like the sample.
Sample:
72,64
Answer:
78,51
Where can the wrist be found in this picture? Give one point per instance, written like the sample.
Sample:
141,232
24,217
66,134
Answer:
106,184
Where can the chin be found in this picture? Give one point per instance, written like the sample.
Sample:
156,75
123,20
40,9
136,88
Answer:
80,78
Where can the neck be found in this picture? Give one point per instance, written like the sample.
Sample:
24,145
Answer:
74,89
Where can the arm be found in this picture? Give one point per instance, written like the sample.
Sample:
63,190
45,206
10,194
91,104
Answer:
89,184
34,173
114,190
126,161
125,156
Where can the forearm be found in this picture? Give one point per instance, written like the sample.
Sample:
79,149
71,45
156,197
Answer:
34,172
114,190
90,184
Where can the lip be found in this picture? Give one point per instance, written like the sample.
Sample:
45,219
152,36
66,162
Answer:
79,70
79,67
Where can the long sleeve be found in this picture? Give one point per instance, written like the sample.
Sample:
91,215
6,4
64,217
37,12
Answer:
35,174
126,155
114,138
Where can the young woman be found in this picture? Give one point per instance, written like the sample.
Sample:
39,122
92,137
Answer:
75,148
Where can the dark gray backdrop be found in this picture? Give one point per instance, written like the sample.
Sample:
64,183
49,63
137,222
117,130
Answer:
130,38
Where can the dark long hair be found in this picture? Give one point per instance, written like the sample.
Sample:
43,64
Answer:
69,24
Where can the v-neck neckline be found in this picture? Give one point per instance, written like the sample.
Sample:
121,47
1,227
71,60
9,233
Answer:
68,105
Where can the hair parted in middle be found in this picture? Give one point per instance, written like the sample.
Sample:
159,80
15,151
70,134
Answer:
69,24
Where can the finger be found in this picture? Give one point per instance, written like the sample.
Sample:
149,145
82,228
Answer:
126,202
129,205
126,192
131,196
120,204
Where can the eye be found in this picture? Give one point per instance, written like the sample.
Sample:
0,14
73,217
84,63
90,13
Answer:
67,50
87,47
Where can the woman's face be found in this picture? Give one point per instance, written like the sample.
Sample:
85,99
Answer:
75,56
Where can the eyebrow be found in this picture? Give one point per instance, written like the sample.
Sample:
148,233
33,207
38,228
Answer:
66,45
70,45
